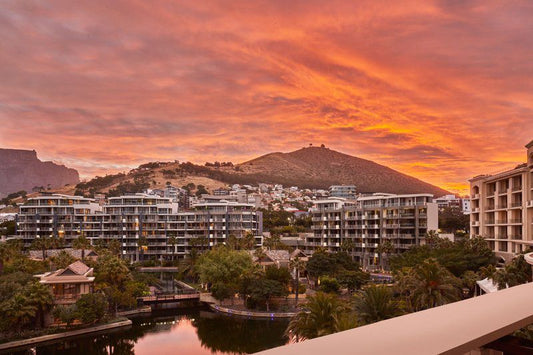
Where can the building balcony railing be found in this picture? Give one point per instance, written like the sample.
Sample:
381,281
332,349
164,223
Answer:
517,188
516,204
516,220
475,196
529,204
501,221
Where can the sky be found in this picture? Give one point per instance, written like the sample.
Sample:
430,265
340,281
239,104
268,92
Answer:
441,90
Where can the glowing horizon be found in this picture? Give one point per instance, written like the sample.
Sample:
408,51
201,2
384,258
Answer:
439,90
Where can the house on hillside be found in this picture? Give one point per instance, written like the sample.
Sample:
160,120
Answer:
70,283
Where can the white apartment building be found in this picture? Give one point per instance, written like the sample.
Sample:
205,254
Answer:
131,217
502,208
368,221
344,191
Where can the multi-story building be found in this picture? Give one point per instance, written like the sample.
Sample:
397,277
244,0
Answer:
502,208
448,201
344,191
369,221
143,224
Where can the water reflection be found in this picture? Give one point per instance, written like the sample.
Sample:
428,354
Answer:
190,332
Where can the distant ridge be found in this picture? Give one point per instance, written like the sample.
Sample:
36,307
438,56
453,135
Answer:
22,170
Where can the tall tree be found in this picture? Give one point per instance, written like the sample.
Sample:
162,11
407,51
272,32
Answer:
375,303
297,265
81,243
41,298
323,314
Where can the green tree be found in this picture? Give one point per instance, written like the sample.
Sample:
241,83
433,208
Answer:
517,272
353,280
41,298
62,259
172,240
6,253
387,248
81,243
297,265
376,303
329,284
18,312
91,307
222,265
281,274
322,315
248,241
112,276
262,291
429,285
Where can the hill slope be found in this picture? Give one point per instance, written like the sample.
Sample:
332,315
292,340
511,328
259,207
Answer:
306,168
316,167
22,170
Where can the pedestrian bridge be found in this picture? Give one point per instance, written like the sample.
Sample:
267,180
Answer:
472,326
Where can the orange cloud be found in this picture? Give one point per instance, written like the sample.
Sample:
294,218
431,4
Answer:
440,90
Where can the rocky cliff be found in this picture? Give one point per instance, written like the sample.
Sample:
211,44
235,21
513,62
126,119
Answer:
22,170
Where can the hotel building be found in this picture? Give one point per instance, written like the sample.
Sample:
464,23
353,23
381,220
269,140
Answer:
151,218
502,208
369,221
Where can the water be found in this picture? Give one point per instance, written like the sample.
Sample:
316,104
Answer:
181,332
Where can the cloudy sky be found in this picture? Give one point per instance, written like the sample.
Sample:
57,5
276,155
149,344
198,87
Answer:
442,90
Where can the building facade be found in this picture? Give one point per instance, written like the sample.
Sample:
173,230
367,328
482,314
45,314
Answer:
344,191
146,226
502,208
403,220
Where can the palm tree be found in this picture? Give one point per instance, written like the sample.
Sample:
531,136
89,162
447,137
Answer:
434,286
348,246
6,253
41,298
42,244
384,248
248,241
376,303
323,314
297,265
81,243
142,243
19,310
172,240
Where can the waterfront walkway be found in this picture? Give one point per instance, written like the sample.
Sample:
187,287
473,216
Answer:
10,346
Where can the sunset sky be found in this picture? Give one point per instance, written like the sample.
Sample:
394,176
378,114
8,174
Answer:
439,90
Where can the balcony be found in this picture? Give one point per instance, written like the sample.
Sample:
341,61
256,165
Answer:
529,204
515,220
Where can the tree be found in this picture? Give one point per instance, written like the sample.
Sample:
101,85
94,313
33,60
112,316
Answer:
387,248
517,272
6,253
91,307
431,285
112,276
41,298
222,265
329,284
297,265
262,291
322,315
62,259
375,303
281,274
248,241
142,244
452,219
81,243
353,280
19,311
172,240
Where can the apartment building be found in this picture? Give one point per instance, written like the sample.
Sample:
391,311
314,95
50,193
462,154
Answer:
344,191
368,221
128,219
502,208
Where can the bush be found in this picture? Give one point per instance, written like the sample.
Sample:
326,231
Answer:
91,307
66,314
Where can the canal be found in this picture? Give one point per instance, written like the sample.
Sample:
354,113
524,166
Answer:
184,332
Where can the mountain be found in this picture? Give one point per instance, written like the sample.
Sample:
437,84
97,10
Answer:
307,168
22,170
320,167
